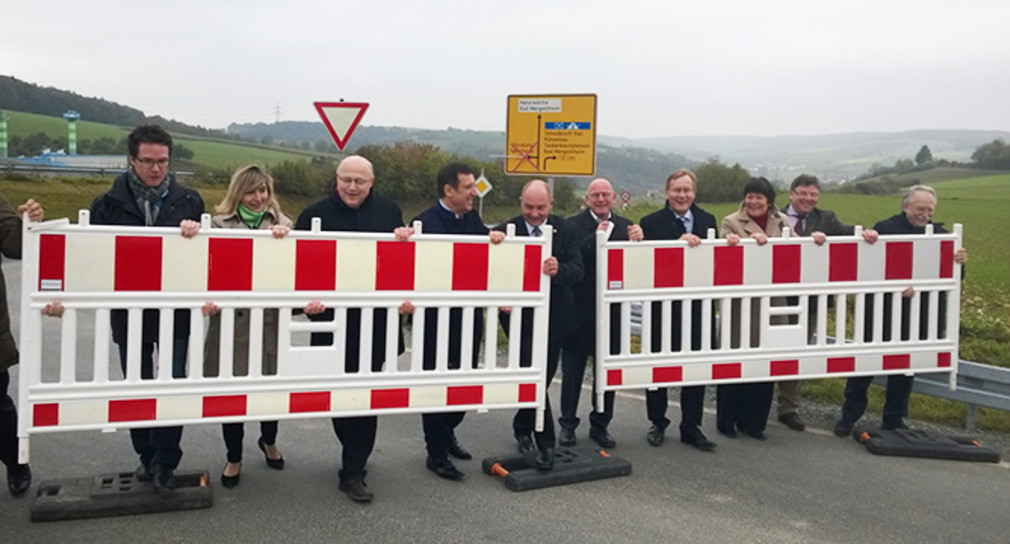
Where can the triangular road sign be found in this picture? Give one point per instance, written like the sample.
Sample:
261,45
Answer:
341,118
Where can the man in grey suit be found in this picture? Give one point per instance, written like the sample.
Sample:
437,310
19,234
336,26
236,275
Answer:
806,219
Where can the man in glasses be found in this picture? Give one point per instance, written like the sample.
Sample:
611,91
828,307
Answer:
147,195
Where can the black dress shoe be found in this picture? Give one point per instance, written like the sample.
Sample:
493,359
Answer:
276,464
567,437
230,481
792,421
164,478
602,437
19,479
544,459
525,443
728,433
356,490
892,424
756,435
143,473
458,451
656,435
444,468
843,429
698,440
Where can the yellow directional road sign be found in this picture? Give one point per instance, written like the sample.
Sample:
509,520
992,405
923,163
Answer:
551,135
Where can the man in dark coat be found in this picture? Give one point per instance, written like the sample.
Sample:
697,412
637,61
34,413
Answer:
806,219
681,219
19,477
452,214
580,346
917,208
147,195
564,267
354,207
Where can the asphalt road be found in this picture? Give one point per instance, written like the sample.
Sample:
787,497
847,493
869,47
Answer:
795,487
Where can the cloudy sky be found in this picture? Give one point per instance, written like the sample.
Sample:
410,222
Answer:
659,68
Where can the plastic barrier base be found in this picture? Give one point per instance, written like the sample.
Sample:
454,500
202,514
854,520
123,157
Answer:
925,444
571,465
117,494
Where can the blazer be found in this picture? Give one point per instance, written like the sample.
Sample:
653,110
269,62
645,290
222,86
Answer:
826,222
742,225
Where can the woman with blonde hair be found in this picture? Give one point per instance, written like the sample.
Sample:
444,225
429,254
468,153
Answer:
251,204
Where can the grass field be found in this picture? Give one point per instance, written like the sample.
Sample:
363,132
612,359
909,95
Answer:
24,124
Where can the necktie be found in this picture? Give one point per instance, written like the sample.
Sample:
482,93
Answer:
686,222
801,224
536,232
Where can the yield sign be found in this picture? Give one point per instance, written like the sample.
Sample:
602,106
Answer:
341,118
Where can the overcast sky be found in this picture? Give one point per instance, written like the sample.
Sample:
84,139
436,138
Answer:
659,68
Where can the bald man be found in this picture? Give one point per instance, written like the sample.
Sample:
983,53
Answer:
564,267
575,352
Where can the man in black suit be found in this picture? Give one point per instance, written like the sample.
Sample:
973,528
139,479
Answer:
576,351
452,214
564,267
681,219
806,219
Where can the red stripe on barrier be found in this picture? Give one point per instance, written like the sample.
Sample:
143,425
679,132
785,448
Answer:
843,262
465,394
394,266
531,268
469,267
138,263
615,377
664,374
224,405
943,359
726,371
133,410
615,269
527,392
52,261
786,261
309,401
315,265
390,398
897,362
229,264
669,267
899,261
728,266
947,259
46,415
841,364
790,367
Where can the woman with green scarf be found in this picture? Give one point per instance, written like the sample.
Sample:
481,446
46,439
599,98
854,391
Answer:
249,204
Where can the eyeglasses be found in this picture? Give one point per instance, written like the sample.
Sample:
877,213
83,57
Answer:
148,163
360,182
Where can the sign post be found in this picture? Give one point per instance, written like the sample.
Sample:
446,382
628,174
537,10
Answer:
551,135
483,187
341,118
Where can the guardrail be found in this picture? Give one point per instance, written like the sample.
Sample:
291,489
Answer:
978,384
56,169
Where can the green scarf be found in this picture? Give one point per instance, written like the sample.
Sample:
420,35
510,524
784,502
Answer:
250,218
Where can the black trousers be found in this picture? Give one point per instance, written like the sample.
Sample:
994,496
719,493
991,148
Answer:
234,433
692,407
357,437
895,399
524,422
8,423
573,369
744,406
158,445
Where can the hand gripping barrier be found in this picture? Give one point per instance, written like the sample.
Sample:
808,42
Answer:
716,314
94,270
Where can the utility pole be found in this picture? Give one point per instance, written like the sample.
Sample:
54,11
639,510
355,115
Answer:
277,113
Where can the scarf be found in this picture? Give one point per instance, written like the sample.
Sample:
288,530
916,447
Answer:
250,218
148,198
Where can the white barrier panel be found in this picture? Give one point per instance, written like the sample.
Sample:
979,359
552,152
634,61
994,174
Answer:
95,270
789,309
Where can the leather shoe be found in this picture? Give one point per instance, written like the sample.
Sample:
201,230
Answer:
544,459
698,440
276,464
728,433
231,481
356,490
164,478
602,437
444,468
756,435
792,421
656,435
525,443
843,429
892,424
143,473
19,479
458,451
567,437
